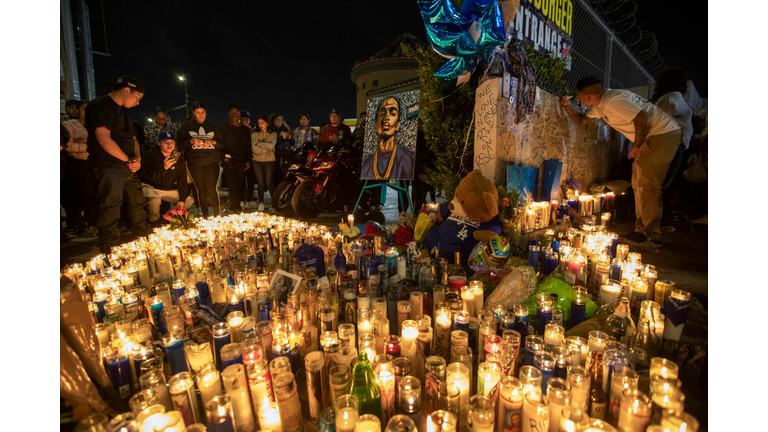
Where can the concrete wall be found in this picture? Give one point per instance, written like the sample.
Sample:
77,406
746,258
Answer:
588,152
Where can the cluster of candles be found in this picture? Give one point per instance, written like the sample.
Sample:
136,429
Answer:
442,360
539,215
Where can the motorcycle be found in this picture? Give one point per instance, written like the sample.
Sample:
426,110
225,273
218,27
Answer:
333,185
296,167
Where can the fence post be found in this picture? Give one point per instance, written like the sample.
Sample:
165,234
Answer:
608,59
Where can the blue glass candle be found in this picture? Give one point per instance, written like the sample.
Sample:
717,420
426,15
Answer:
156,306
179,289
219,413
221,337
100,300
546,364
533,257
119,369
578,306
461,321
506,322
499,310
231,354
174,350
265,309
555,245
615,272
551,261
614,244
533,344
236,303
143,355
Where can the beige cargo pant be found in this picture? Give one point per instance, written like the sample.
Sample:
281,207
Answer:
648,173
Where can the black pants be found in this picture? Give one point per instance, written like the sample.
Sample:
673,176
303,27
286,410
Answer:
68,197
234,181
115,184
86,188
206,177
250,184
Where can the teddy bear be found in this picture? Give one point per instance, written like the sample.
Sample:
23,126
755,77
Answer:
469,218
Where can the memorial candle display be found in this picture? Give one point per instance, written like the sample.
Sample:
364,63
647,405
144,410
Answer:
184,398
410,331
443,324
209,384
634,412
316,385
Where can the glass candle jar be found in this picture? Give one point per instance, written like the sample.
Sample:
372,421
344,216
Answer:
209,384
346,413
623,378
488,377
666,398
682,422
572,420
417,304
367,344
269,417
231,354
280,365
458,374
409,396
287,397
403,312
442,421
313,366
443,325
346,334
259,383
329,320
480,415
368,423
559,396
155,380
579,379
530,378
219,413
235,321
400,423
510,407
635,411
554,335
409,332
338,377
535,411
143,399
533,344
236,387
184,398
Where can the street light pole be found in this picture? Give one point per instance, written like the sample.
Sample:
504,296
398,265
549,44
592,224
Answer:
186,94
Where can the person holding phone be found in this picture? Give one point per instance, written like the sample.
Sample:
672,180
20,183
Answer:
164,177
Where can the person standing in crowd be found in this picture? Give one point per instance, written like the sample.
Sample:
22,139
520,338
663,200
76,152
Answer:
668,95
304,133
113,152
245,120
237,157
359,132
263,147
201,141
282,147
656,136
84,193
335,131
71,108
160,123
164,177
250,175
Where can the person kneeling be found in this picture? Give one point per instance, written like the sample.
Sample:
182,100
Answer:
164,177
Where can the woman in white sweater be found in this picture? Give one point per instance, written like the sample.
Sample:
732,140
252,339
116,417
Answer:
263,147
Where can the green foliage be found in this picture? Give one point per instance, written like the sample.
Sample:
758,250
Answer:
549,71
446,112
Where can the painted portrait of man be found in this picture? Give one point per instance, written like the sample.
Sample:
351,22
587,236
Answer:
391,160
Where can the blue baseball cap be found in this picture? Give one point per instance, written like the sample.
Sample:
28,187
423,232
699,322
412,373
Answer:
165,136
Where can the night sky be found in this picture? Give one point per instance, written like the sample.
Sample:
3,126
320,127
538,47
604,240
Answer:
289,57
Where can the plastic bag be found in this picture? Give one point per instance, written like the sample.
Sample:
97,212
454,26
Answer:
513,289
564,292
74,383
423,224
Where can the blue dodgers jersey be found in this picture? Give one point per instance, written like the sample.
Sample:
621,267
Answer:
455,233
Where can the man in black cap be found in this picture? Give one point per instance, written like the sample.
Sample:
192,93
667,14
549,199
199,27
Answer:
115,157
245,120
71,107
336,130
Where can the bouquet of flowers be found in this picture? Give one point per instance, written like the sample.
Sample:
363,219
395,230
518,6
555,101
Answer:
570,188
180,219
403,236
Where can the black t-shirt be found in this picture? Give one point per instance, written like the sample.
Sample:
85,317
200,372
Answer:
103,111
237,143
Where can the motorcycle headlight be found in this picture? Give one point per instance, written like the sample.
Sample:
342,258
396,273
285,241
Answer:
324,165
293,167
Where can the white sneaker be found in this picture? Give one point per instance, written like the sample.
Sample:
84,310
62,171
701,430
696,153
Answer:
261,207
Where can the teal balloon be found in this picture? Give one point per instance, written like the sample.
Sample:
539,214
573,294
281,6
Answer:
446,28
448,33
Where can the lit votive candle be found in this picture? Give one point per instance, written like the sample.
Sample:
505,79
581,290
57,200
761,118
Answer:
236,387
209,384
346,413
488,376
269,417
458,374
579,379
535,412
410,331
609,293
553,335
468,301
220,415
477,289
559,396
368,423
635,411
235,321
572,420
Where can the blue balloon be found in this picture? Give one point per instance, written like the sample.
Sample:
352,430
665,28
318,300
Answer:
451,33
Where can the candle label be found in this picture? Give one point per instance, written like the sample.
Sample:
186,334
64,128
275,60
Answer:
597,410
182,403
315,390
261,389
431,389
511,414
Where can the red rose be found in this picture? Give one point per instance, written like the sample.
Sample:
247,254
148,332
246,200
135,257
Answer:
403,235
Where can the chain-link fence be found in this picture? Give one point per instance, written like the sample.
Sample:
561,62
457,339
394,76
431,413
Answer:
598,49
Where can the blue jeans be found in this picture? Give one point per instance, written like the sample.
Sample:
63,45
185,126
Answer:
264,173
118,183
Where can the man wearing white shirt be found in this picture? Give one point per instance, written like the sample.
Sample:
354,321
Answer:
655,136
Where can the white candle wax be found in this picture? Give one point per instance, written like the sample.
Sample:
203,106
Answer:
269,418
368,426
535,412
346,419
237,389
468,302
